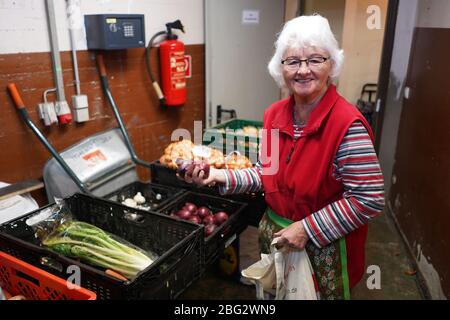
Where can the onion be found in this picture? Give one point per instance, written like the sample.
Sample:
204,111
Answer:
193,213
220,217
183,166
184,214
192,208
209,229
203,212
195,219
204,166
209,220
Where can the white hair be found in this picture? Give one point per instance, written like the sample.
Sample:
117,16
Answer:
301,32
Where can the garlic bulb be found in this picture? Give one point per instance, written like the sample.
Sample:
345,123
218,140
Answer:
139,198
130,203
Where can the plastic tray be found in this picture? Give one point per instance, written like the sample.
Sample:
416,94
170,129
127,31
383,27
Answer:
21,278
225,233
256,204
179,245
149,192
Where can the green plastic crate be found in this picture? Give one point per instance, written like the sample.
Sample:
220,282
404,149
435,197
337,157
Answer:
230,140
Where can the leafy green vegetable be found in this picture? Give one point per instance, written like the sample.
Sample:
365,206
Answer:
86,242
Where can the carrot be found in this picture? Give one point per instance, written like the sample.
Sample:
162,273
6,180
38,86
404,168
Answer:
115,274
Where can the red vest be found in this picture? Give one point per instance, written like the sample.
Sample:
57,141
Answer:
305,184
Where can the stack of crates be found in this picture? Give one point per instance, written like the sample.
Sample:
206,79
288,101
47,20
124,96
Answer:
243,136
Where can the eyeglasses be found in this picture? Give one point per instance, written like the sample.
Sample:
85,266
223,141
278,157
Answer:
293,64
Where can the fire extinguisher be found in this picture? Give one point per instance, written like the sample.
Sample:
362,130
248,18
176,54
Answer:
172,67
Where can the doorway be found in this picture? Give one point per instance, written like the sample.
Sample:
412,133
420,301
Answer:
360,29
239,43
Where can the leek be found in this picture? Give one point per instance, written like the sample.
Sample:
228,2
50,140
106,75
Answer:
89,243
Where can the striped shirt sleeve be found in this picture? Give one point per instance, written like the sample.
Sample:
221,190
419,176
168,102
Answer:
242,180
356,165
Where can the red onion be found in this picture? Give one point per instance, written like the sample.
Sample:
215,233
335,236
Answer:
220,217
209,229
187,166
192,208
209,220
203,212
184,166
184,214
203,166
195,219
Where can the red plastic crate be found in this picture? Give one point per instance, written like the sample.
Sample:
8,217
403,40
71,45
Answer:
20,278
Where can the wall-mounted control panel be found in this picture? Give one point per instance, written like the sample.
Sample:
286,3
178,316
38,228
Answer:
115,31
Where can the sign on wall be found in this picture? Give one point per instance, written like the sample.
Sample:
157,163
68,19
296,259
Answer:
188,66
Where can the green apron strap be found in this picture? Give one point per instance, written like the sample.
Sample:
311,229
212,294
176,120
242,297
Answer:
345,280
278,220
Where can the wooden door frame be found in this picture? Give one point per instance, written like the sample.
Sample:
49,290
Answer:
208,105
385,68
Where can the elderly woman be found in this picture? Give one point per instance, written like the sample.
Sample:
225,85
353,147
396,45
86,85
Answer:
328,184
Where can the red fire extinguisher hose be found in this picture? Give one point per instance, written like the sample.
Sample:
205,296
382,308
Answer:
155,84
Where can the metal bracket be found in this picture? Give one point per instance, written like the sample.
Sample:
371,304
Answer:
220,110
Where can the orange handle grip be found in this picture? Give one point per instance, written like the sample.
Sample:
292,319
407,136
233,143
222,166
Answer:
15,96
101,65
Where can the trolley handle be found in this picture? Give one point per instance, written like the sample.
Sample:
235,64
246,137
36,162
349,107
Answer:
15,96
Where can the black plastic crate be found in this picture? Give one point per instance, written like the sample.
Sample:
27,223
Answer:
256,205
225,233
179,245
226,138
161,174
149,191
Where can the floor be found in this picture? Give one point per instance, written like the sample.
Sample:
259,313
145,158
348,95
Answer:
384,249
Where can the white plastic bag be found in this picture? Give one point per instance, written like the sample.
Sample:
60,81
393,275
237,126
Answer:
284,274
263,275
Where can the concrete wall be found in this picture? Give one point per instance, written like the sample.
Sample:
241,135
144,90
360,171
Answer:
433,14
23,23
362,47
